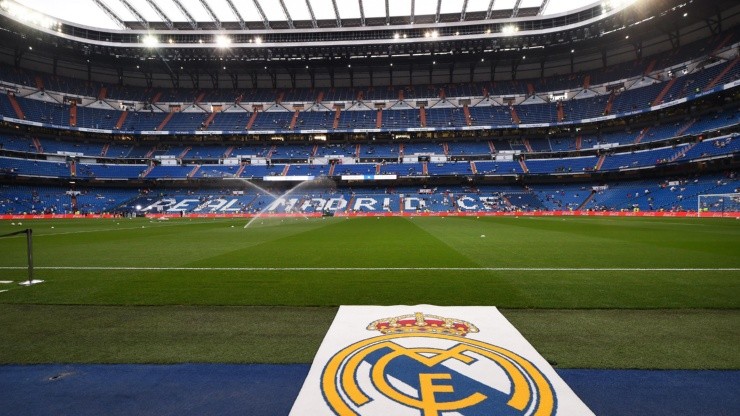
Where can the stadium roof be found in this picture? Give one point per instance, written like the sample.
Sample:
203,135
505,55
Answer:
290,14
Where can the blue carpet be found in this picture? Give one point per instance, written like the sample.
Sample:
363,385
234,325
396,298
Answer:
210,389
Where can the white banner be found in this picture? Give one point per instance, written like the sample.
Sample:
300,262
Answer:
430,361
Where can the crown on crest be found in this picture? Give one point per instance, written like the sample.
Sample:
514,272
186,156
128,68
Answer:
421,323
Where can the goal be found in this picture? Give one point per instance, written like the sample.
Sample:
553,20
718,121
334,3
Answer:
719,205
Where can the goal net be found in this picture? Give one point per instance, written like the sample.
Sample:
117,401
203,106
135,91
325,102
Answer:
719,205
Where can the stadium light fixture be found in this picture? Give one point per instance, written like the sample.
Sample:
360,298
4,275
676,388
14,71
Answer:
223,41
258,40
396,36
509,30
150,41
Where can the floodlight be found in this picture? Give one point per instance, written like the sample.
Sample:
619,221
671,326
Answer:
223,41
257,40
509,30
150,41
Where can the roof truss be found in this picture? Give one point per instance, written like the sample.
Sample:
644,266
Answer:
313,16
161,14
287,15
185,12
262,13
238,15
205,5
111,14
136,13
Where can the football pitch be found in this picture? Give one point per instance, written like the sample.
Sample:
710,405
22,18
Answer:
605,292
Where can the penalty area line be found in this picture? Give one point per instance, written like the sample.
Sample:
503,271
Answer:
360,269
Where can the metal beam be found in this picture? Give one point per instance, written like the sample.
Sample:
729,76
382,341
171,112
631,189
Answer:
262,13
111,14
136,13
238,15
210,13
439,9
161,14
313,17
490,9
336,12
387,13
362,13
185,12
464,10
411,15
516,8
543,7
287,15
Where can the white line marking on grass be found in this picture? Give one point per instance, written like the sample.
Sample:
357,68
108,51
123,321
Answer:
360,269
4,290
5,282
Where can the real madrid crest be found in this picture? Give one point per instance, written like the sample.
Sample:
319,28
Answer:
424,365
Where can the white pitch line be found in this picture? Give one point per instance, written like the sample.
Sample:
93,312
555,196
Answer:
359,269
5,282
5,290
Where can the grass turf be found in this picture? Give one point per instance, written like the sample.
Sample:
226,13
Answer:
553,306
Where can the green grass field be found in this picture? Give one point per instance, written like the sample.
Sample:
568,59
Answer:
587,292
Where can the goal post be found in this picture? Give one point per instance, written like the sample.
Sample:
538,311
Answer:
29,253
718,205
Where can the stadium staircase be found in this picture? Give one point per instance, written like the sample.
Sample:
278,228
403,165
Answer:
285,170
165,121
337,116
314,150
523,165
147,171
194,171
184,152
685,127
586,201
241,170
609,103
719,76
320,97
358,149
586,82
200,97
332,166
642,134
446,149
600,162
379,119
723,43
252,118
360,95
121,120
425,168
279,98
561,112
468,118
681,153
150,153
157,97
294,120
442,94
491,147
650,67
401,149
209,120
72,168
400,95
37,145
39,82
514,116
528,145
530,88
473,168
239,99
228,151
73,114
579,142
103,93
485,92
377,169
422,116
16,107
271,152
104,151
664,91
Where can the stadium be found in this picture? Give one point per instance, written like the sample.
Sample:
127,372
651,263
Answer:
194,193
